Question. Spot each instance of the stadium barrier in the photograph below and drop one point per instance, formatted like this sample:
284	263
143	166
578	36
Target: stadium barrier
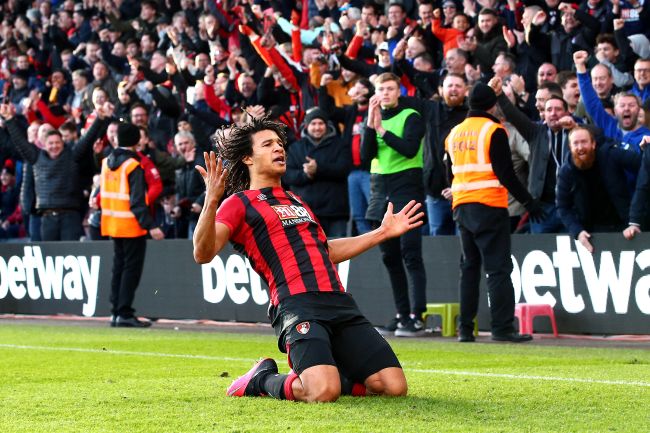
604	293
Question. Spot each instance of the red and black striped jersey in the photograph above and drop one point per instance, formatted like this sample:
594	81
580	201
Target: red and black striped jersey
283	241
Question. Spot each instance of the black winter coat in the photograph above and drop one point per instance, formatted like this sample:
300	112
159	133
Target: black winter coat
327	193
572	190
56	181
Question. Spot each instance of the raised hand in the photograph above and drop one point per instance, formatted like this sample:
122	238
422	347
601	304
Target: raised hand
567	122
106	110
214	176
373	106
400	50
325	79
497	85
619	23
580	60
509	37
518	84
396	224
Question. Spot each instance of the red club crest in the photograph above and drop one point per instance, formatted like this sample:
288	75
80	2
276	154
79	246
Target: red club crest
302	328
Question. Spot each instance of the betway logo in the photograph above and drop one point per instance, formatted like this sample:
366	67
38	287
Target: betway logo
238	279
58	276
538	270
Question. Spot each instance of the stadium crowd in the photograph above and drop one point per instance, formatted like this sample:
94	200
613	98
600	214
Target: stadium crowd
180	69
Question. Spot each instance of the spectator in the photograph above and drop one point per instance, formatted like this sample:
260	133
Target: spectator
10	216
489	40
543	94
546	72
353	119
449	36
603	82
608	54
444	115
189	185
317	170
103	79
592	195
568	82
56	174
638	218
80	97
548	148
641	86
455	61
520	152
624	127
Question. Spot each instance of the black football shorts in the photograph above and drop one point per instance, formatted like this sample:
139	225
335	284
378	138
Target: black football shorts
319	328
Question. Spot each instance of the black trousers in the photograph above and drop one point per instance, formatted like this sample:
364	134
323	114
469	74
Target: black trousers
485	240
402	257
128	261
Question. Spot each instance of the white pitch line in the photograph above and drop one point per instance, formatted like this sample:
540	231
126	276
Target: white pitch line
530	377
125	352
414	370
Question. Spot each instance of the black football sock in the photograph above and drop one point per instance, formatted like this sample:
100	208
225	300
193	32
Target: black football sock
278	385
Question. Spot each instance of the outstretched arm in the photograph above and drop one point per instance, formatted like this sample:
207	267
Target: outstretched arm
393	225
210	237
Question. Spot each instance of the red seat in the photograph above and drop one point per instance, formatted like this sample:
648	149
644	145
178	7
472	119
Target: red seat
527	312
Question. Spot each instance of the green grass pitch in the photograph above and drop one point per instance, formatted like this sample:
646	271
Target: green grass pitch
92	379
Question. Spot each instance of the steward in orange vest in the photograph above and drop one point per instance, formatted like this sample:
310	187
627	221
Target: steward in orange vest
482	171
126	219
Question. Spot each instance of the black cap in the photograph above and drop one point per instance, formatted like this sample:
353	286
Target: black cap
482	97
128	135
315	113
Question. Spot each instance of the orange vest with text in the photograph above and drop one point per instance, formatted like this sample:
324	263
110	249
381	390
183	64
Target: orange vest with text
117	219
468	145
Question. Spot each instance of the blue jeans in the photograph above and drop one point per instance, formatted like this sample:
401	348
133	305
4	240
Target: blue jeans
441	221
334	227
61	226
359	195
34	225
551	224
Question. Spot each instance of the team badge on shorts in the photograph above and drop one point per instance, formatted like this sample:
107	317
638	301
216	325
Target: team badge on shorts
302	328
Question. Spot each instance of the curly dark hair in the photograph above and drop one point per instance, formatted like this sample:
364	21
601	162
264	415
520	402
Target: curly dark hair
235	142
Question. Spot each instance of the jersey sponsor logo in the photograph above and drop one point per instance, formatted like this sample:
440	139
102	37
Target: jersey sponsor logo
291	215
303	328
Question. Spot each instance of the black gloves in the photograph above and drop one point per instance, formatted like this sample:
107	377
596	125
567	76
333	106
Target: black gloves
536	212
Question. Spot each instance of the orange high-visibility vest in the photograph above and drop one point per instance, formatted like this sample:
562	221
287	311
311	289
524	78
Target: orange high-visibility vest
117	219
468	145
